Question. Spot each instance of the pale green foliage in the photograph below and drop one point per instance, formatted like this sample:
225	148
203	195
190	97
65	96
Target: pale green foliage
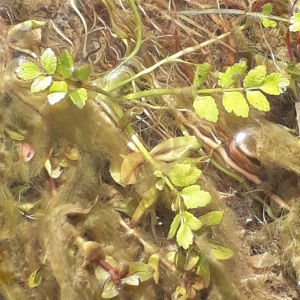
295	22
218	251
183	175
41	83
206	108
28	70
49	61
44	79
201	74
212	218
65	64
266	10
236	102
255	77
194	197
258	100
79	97
232	75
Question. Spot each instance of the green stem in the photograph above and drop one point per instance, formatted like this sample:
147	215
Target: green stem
173	57
218	90
153	92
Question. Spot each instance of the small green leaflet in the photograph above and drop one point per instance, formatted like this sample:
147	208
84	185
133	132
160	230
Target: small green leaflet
212	218
184	174
57	92
65	64
267	23
235	102
82	73
267	9
206	108
218	251
79	97
28	70
271	84
35	278
143	271
233	74
295	22
41	83
202	269
49	61
194	197
174	227
255	77
192	222
184	236
258	100
201	74
15	135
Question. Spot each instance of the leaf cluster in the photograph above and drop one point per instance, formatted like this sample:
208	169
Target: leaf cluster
239	90
51	74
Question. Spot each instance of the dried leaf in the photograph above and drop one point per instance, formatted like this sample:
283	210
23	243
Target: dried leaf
130	165
27	152
52	173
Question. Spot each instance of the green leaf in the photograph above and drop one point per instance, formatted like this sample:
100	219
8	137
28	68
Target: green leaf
15	135
184	236
203	270
174	227
194	197
258	100
271	84
267	9
79	97
148	200
295	22
192	259
109	290
218	251
54	98
184	174
49	61
28	70
267	23
191	221
206	108
144	271
35	278
58	86
235	102
212	218
176	148
131	280
130	166
82	73
201	74
233	74
40	84
255	77
154	263
65	64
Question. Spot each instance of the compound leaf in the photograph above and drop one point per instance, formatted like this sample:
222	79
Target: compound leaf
255	77
28	70
206	108
49	61
184	236
201	74
258	100
79	97
184	174
235	102
65	64
40	84
194	197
